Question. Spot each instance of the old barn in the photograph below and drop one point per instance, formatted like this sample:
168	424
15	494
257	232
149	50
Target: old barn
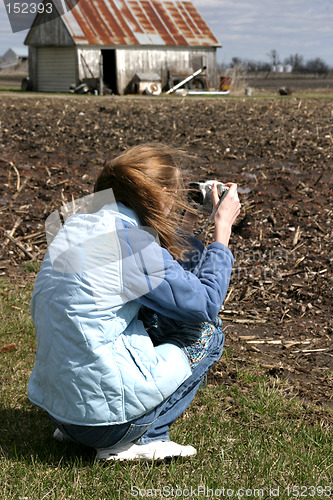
120	43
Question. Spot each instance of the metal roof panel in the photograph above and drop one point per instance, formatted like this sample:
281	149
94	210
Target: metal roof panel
137	22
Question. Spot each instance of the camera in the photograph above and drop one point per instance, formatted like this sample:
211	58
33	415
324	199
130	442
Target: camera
201	193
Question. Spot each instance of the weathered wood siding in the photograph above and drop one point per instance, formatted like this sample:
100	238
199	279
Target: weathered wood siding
160	60
132	60
88	62
33	66
49	33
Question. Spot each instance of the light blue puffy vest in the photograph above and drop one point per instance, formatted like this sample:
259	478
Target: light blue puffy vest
95	363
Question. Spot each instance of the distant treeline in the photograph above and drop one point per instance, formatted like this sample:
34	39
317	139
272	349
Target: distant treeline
295	62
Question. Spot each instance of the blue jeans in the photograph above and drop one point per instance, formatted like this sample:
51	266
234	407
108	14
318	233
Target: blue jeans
154	425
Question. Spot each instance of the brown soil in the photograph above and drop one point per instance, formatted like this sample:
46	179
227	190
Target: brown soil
278	312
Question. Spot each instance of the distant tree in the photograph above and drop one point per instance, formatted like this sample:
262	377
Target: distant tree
317	66
252	66
274	57
222	67
255	66
296	61
235	61
264	66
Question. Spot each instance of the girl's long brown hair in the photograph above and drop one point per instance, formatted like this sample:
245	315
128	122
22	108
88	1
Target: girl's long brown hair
146	178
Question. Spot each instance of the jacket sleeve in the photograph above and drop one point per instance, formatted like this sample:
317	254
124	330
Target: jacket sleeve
193	290
185	296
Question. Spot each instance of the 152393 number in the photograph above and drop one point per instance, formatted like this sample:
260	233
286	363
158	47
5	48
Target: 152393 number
29	8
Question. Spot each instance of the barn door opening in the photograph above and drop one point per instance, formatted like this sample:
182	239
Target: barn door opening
110	69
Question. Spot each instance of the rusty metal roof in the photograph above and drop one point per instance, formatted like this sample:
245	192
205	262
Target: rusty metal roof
136	22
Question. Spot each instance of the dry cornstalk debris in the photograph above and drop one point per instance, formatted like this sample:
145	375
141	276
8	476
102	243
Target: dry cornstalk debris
18	176
246	320
296	236
20	188
8	347
271	341
20	246
311	350
12	231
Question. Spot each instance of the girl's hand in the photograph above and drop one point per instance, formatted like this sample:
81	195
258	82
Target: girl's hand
226	214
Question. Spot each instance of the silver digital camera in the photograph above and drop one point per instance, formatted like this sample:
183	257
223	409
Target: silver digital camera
201	193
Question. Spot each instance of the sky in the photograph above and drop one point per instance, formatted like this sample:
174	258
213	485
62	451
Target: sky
251	29
248	29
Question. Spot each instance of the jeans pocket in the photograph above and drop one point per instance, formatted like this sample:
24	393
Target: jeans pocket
103	436
87	435
133	433
119	435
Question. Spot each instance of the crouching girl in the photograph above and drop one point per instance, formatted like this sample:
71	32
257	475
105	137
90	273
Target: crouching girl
125	308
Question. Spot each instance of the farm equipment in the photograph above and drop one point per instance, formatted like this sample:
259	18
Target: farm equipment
196	91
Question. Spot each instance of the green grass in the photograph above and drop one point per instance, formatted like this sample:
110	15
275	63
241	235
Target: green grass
11	89
249	436
32	266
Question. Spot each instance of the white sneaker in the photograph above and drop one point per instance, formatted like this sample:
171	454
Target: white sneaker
155	450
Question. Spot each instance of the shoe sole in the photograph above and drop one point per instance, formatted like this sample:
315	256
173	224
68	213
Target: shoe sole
115	458
145	453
